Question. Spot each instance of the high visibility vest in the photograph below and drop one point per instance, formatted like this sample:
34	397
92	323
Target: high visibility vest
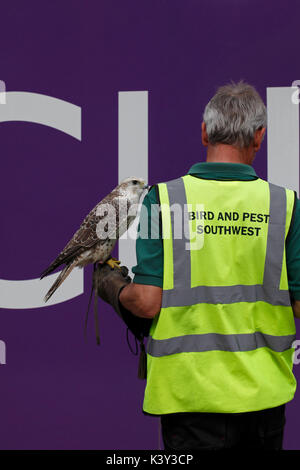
223	340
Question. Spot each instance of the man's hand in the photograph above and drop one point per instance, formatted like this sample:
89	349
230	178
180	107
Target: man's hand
109	282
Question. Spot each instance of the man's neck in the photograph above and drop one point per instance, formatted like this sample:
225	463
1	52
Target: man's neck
229	154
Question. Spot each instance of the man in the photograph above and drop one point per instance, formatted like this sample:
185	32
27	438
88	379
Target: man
222	294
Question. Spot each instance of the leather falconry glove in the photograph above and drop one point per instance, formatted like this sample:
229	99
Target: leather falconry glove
108	284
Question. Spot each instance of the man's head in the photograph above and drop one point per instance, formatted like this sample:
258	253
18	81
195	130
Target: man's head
237	117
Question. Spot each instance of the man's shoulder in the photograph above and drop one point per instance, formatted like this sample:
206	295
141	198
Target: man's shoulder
152	197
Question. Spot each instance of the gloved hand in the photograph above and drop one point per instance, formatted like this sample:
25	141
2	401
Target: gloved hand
108	283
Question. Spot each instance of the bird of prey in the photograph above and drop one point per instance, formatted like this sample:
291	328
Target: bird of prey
97	235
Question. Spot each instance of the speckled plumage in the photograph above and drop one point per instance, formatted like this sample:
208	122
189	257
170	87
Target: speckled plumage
85	247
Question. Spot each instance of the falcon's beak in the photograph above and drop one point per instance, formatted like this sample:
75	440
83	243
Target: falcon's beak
146	186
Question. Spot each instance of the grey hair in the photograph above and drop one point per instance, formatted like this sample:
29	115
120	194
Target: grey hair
233	115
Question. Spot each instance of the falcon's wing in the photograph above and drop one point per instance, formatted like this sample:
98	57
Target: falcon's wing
85	237
123	219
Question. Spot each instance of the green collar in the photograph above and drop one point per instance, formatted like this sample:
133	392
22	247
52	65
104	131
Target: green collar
220	170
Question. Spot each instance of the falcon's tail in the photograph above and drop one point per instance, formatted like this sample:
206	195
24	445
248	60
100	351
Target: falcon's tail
60	279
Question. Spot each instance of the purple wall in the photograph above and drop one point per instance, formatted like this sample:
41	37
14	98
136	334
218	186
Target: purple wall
58	392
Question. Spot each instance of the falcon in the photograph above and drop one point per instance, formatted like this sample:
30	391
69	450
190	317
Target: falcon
97	235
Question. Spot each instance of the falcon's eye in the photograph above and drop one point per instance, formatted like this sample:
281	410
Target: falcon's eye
134	182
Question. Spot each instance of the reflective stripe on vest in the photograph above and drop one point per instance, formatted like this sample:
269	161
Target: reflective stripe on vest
269	291
218	342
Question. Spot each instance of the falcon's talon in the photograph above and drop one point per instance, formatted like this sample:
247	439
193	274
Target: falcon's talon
113	263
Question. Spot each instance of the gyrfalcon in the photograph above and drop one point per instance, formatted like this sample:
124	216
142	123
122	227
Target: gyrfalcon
102	227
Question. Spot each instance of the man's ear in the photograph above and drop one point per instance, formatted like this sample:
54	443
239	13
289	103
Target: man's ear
258	138
204	136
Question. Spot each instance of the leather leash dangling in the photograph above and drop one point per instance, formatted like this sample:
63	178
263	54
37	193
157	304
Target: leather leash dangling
94	287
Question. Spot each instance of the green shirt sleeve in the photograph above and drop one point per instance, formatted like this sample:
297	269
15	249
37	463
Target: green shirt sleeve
293	254
149	244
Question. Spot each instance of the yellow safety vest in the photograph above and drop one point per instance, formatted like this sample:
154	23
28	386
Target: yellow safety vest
222	341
